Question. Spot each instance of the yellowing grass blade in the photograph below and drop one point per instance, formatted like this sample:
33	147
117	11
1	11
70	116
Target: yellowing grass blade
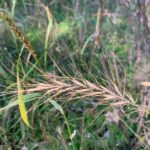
51	26
22	107
49	14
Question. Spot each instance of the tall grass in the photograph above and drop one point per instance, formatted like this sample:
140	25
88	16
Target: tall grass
43	88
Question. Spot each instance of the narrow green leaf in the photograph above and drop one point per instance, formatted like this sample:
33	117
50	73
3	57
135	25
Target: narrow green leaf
57	106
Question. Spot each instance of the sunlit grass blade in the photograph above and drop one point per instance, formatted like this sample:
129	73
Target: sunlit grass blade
22	108
50	33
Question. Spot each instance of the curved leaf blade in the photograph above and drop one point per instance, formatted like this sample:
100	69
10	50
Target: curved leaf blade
22	108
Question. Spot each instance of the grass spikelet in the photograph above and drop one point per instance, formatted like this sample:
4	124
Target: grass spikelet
19	35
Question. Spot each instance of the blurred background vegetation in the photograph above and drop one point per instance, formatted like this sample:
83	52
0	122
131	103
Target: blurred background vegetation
82	44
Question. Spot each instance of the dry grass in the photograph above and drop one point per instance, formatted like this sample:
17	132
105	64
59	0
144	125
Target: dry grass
72	88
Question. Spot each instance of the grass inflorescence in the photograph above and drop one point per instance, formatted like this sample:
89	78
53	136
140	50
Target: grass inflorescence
6	18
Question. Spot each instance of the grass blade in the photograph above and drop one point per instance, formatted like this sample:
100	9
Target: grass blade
22	108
